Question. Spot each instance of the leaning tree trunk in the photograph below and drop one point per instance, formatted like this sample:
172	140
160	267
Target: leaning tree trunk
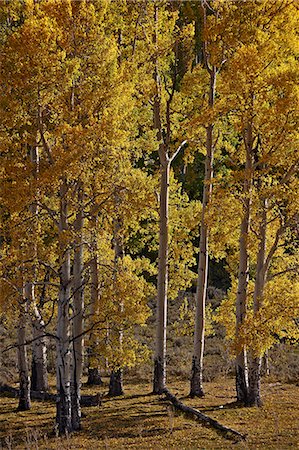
243	273
77	320
24	391
63	413
255	361
196	382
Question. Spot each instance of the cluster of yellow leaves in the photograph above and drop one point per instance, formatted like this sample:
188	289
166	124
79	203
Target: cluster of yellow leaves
184	326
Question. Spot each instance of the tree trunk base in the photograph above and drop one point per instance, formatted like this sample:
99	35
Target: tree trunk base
159	377
24	405
254	402
196	393
24	394
39	378
63	413
116	384
76	408
94	377
241	386
254	392
196	388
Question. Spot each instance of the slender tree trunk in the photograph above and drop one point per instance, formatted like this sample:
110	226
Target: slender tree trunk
160	351
159	381
241	357
196	384
116	377
63	413
39	372
266	363
24	392
255	362
39	381
243	273
77	322
94	377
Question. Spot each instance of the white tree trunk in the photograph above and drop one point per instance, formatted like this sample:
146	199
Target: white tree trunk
159	381
160	351
255	362
196	383
77	322
243	276
39	379
63	413
243	273
94	377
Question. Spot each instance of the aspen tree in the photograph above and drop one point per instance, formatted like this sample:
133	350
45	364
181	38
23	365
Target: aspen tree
94	377
56	99
78	311
257	101
212	66
39	381
164	137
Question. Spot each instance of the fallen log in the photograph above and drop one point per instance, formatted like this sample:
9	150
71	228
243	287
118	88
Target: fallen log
85	400
199	415
5	389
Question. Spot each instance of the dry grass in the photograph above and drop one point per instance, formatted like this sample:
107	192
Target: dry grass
143	421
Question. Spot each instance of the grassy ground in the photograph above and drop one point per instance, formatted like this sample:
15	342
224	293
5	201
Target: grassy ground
139	420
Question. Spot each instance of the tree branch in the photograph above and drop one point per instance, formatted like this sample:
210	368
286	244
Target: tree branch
177	151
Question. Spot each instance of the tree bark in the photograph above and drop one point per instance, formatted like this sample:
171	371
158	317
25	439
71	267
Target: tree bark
243	273
77	320
160	351
266	363
63	412
94	377
39	381
255	362
243	276
24	378
116	377
194	413
159	380
196	383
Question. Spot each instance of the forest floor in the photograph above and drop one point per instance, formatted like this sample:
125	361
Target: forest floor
140	420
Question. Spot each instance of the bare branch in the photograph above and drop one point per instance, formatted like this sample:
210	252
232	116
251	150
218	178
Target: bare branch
177	151
283	272
28	342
